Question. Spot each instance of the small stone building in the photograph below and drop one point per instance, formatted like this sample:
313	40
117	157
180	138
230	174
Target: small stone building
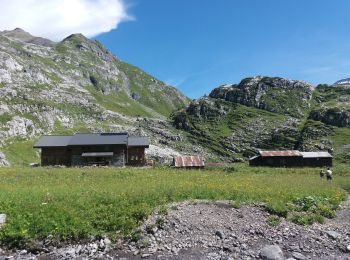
102	149
292	158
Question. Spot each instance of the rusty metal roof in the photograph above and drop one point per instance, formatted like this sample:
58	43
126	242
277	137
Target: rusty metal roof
280	153
188	161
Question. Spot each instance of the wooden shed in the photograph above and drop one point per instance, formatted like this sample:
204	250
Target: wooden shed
317	159
292	158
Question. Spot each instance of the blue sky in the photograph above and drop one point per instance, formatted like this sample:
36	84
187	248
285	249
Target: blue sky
197	45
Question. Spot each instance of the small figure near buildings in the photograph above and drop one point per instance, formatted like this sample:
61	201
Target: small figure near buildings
322	173
329	174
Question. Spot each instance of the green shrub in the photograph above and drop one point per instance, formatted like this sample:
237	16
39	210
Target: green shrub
273	221
160	222
306	218
236	205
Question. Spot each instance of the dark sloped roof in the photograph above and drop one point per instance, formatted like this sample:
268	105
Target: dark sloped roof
99	139
92	139
138	141
53	141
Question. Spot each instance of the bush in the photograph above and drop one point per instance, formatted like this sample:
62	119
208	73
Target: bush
305	218
273	221
236	205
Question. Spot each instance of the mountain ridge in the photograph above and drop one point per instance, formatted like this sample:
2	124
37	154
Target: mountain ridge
70	86
237	120
343	82
77	85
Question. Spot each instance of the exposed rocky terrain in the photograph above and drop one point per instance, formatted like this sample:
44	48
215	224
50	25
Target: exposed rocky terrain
343	82
291	97
216	230
270	113
75	85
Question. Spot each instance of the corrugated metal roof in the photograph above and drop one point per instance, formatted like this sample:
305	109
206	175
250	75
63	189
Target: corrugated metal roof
280	153
188	161
53	141
98	154
316	155
99	139
138	141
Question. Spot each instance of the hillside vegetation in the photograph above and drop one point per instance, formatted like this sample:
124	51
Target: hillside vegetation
75	85
235	121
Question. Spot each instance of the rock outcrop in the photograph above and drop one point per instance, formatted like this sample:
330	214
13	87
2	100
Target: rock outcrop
278	95
332	116
260	113
71	86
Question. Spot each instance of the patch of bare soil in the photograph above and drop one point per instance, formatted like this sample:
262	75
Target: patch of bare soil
216	230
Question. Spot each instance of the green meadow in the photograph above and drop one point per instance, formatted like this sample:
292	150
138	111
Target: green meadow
70	204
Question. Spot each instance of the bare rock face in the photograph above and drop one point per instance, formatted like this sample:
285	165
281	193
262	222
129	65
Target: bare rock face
343	82
73	85
2	219
332	116
21	35
21	127
164	155
272	94
4	109
3	161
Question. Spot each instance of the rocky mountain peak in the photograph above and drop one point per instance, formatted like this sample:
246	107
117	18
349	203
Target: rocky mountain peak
76	37
75	85
25	37
342	82
269	93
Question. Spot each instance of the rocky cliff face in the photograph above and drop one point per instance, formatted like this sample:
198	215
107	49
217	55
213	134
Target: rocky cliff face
343	82
70	86
77	85
272	94
237	120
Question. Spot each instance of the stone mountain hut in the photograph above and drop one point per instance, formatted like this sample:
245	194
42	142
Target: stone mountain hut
102	149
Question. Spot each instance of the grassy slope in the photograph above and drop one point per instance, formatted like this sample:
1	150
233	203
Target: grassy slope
151	91
339	136
211	132
74	203
164	99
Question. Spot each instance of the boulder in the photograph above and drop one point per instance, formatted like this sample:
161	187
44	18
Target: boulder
3	161
2	219
298	256
271	252
334	235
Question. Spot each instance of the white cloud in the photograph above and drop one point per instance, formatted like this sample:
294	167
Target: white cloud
56	19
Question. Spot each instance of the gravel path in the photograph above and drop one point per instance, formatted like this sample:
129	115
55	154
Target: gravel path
207	230
216	230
